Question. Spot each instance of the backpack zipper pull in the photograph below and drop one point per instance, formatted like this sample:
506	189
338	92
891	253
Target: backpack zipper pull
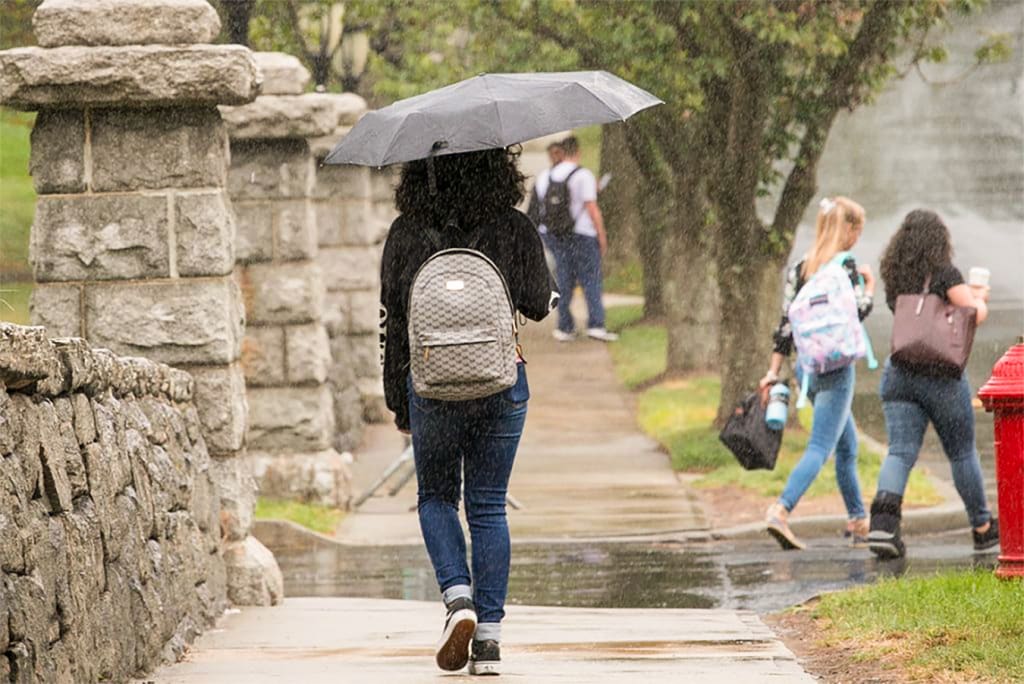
426	354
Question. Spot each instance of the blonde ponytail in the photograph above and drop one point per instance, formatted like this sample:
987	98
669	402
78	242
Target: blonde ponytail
839	220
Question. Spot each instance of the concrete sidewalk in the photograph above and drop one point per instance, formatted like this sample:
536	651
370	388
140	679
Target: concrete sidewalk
386	641
583	470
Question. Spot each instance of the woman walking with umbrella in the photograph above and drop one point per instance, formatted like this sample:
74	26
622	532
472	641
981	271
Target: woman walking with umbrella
460	265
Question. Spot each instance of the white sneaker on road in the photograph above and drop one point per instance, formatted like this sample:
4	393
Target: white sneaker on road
601	334
562	336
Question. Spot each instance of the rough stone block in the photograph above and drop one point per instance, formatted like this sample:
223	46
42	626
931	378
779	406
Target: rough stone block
283	293
236	489
56	484
263	356
204	232
290	418
323	477
254	233
296	230
360	352
253	576
27	356
270	169
308	354
128	76
158	148
283	74
58	308
348	417
57	163
342	182
322	145
111	237
375	408
220	400
350	268
177	322
124	22
282	116
336	313
349	223
364	314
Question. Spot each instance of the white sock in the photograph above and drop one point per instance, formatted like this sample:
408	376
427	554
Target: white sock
488	630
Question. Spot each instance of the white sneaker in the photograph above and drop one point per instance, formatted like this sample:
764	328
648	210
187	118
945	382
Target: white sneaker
601	334
562	336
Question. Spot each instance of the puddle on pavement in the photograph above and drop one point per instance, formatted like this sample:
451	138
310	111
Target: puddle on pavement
753	575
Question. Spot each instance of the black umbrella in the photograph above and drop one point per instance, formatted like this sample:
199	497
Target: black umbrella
488	111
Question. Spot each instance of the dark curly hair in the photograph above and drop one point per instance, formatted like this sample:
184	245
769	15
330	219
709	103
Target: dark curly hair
918	249
472	187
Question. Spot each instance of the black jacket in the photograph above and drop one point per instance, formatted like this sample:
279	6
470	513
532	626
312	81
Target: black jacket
510	241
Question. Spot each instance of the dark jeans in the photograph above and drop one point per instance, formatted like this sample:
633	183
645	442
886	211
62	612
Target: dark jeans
910	401
577	260
478	438
832	429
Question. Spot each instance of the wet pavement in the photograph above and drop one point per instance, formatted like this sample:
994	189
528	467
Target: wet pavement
755	576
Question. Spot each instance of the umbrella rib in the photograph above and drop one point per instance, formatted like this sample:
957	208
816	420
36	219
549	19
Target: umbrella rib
497	109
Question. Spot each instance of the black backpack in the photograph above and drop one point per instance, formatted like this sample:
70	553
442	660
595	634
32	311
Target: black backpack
556	210
749	439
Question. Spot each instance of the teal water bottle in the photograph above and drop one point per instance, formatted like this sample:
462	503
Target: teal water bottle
778	406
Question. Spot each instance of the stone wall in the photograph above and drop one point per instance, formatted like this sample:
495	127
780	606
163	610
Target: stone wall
110	545
133	239
354	209
293	428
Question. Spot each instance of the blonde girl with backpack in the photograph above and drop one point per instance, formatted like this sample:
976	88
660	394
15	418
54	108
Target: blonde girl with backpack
840	223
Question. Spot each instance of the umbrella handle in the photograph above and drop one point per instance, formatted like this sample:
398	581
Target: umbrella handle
431	174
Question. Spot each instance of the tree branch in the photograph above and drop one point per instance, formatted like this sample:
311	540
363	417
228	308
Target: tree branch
877	29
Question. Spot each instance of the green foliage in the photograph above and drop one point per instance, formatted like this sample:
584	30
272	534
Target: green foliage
17	196
16	23
955	626
315	517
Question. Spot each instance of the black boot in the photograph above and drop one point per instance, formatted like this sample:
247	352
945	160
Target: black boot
884	538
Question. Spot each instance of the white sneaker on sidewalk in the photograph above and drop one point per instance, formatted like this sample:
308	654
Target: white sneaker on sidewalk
563	336
601	334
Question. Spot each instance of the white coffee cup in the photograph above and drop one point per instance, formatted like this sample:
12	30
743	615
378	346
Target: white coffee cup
978	276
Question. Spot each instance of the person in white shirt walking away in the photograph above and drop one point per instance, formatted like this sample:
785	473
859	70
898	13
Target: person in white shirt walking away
564	206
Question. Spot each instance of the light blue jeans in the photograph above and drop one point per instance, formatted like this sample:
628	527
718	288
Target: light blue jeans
833	430
910	401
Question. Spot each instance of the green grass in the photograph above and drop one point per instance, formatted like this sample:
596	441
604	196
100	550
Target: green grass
17	196
679	413
640	353
619	317
315	517
625	278
969	623
14	298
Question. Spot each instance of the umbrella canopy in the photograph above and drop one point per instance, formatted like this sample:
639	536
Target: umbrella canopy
488	111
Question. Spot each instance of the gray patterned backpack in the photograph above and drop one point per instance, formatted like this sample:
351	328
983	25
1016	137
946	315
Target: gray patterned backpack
462	326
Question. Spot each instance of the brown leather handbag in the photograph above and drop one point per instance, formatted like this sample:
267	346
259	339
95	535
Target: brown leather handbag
932	336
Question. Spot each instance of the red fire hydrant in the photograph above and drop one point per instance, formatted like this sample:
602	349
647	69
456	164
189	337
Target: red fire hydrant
1004	394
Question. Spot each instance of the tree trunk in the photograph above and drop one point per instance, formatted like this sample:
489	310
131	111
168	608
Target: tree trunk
650	248
239	13
690	305
619	199
749	312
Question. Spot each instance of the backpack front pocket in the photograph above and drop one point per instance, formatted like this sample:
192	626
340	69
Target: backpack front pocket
460	357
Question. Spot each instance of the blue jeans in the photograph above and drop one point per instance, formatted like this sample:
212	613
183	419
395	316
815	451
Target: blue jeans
480	438
910	401
577	260
833	429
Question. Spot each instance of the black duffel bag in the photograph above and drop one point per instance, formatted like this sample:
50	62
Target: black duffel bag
747	436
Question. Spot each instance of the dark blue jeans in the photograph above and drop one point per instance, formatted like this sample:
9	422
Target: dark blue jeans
577	260
833	429
910	401
478	438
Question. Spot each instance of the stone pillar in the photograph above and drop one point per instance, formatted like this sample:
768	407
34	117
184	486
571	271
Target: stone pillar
286	354
354	208
133	240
